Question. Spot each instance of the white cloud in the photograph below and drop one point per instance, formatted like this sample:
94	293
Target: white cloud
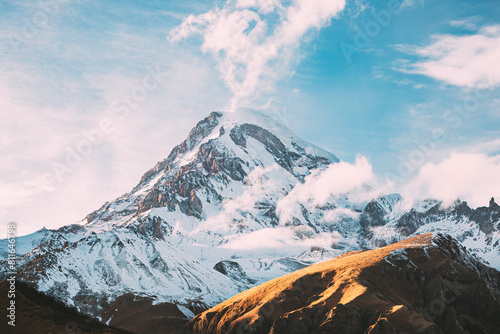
473	177
262	185
470	23
252	51
411	3
36	135
468	61
319	187
264	238
65	81
263	6
278	238
339	178
339	214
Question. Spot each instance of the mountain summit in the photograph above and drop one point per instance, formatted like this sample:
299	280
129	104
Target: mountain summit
165	237
233	206
211	165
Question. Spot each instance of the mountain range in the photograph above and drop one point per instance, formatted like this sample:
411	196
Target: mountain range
240	202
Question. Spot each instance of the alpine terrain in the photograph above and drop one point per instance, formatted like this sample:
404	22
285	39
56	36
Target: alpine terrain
231	207
424	284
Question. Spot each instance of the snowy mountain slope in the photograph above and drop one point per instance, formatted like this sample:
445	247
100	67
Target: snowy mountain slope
120	261
27	243
241	188
477	229
165	236
210	166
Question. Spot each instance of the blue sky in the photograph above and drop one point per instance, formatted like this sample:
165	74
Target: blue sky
371	98
430	71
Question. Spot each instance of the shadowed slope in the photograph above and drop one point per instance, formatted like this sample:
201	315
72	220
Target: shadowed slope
38	313
140	315
424	284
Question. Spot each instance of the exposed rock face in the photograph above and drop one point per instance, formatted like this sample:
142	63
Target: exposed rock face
233	270
422	285
272	144
373	215
193	166
377	213
409	222
487	217
219	163
398	221
200	131
153	227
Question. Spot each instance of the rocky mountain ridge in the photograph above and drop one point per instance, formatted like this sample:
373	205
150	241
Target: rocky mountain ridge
426	284
224	212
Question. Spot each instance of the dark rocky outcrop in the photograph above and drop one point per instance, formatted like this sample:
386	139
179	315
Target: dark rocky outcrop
198	133
153	227
487	217
233	270
180	190
374	214
283	156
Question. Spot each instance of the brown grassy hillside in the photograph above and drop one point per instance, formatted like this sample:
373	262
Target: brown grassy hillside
424	284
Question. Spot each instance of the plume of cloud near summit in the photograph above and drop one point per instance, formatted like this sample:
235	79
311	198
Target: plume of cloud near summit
256	42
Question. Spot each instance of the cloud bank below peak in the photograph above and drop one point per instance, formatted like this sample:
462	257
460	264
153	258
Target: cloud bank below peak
472	177
256	42
467	176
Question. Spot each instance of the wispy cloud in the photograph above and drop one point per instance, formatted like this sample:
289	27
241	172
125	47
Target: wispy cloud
465	60
280	238
256	42
470	23
64	82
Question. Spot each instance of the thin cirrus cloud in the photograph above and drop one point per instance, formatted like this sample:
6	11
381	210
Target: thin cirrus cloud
465	60
62	83
255	42
470	23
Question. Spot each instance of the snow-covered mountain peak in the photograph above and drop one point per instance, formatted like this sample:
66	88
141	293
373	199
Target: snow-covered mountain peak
242	195
233	128
213	165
